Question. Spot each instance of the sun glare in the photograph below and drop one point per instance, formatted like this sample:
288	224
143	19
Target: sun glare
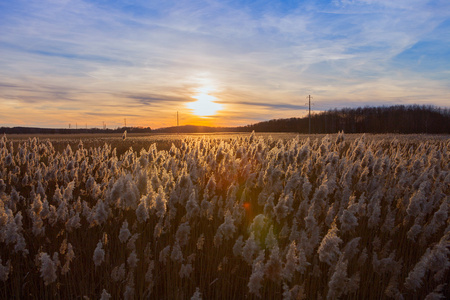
205	105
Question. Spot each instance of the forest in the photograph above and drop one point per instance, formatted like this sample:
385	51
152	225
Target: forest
384	119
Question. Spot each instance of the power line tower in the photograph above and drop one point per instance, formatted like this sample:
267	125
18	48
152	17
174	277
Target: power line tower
178	123
125	121
309	114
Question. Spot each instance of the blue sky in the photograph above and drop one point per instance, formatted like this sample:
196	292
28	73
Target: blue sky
87	62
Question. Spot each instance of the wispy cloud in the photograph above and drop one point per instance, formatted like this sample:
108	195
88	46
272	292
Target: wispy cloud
277	106
261	59
111	115
153	99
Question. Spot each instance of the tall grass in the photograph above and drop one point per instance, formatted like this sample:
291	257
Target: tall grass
241	217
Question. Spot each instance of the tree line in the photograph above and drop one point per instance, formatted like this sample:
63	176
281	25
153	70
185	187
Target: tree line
384	119
36	130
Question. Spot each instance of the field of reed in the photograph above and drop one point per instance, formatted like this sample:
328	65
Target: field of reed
225	217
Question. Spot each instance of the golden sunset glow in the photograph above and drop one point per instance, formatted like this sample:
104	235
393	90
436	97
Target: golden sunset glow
205	105
213	65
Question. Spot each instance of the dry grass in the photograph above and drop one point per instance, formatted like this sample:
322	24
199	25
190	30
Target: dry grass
233	215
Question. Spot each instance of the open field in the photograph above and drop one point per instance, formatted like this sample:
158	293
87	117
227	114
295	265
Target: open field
164	141
225	216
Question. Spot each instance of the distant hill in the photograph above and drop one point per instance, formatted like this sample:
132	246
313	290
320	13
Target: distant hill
384	119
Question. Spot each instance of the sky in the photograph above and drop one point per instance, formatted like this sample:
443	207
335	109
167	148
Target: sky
215	62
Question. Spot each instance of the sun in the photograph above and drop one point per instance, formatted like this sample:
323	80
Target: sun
205	105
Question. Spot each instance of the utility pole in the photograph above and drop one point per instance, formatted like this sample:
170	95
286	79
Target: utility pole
178	124
125	121
309	115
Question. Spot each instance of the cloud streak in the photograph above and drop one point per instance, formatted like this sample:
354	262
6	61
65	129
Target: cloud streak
260	60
